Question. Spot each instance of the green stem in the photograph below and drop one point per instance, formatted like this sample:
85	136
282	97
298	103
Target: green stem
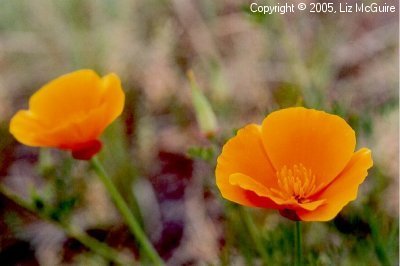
298	245
126	213
380	248
93	244
97	246
255	235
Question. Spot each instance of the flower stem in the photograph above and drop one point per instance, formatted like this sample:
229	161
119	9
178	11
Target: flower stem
254	234
97	246
93	244
126	213
298	245
380	249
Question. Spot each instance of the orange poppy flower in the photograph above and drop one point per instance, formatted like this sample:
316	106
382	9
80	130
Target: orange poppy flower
70	113
299	161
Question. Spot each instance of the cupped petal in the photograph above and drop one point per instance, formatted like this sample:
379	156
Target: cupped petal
113	98
254	193
244	154
342	190
90	125
66	97
70	111
73	133
321	142
296	206
26	127
249	184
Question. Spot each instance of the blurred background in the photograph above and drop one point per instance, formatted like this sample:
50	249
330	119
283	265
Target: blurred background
247	65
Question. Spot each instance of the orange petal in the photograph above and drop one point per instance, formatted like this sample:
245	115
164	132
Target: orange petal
89	126
29	130
75	132
113	98
343	189
254	194
244	154
294	205
68	96
92	105
79	131
25	126
247	183
321	142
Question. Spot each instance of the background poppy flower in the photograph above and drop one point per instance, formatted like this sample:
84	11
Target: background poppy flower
299	161
70	113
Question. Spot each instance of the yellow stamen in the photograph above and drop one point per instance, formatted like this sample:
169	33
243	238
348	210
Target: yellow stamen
297	183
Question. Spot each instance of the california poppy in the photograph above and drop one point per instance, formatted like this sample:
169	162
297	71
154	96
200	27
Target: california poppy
70	113
299	161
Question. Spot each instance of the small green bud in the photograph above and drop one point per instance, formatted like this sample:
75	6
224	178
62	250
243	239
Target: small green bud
204	114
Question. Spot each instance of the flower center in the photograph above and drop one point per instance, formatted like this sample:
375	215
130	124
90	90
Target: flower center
296	183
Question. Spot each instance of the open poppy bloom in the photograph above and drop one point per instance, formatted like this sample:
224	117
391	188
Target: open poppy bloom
70	113
299	161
